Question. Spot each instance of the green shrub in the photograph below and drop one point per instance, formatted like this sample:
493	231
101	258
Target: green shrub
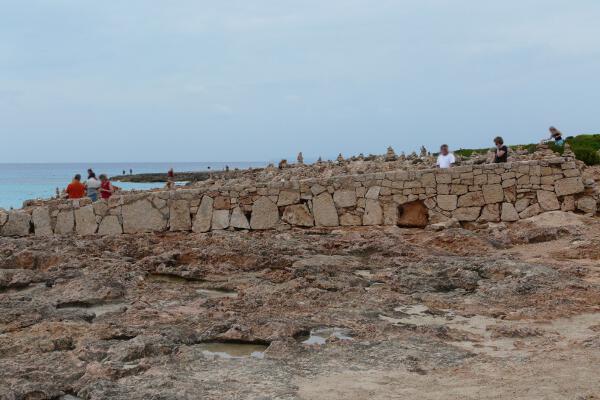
587	155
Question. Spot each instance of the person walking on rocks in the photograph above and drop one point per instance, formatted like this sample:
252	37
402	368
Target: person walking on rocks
445	158
501	152
92	185
75	189
106	188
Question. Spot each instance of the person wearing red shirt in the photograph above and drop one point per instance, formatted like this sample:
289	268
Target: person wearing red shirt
106	188
76	189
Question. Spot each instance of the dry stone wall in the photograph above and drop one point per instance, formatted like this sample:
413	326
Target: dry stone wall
492	193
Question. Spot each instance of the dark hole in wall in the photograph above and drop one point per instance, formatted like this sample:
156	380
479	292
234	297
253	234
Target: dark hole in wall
413	215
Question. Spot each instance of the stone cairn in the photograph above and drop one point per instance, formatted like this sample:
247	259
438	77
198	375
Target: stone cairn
390	155
300	158
423	152
340	158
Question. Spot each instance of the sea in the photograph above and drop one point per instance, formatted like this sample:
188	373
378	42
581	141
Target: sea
20	182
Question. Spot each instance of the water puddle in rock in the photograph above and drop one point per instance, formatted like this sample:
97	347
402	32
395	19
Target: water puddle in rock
96	309
217	293
319	336
233	350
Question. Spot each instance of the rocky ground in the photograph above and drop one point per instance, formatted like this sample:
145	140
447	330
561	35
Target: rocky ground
485	311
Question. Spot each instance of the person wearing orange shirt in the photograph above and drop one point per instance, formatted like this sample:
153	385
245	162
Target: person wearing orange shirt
76	189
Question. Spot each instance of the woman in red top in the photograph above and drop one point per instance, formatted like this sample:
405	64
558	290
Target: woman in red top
106	188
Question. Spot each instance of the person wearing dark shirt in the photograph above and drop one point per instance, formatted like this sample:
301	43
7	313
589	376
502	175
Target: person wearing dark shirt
501	153
556	135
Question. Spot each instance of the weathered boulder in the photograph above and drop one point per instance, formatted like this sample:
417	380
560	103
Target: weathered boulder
85	221
179	216
288	197
471	199
265	214
141	216
204	215
447	202
298	215
65	222
3	216
220	219
344	198
373	213
413	214
324	210
238	219
110	226
17	224
41	222
548	200
587	204
490	213
509	213
567	186
493	193
466	213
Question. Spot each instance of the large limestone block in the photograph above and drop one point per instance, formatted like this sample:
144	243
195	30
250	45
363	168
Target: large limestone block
288	197
324	210
179	216
447	202
567	186
110	226
471	199
141	216
373	193
65	222
85	221
466	213
493	193
509	213
344	198
530	211
204	215
348	219
587	204
265	214
568	203
490	213
41	222
220	219
3	216
522	204
238	219
373	213
298	215
548	200
390	213
17	224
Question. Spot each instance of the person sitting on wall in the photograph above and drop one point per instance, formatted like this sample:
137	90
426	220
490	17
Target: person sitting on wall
445	158
556	135
106	188
501	152
76	189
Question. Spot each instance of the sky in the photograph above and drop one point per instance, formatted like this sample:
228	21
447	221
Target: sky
261	80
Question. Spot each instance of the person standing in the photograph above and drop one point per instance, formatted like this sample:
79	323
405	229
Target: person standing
170	178
106	188
75	189
501	152
92	185
445	158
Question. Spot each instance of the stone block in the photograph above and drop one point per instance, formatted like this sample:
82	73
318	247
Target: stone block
344	198
110	226
373	213
85	221
522	204
471	199
587	204
490	213
447	202
179	216
567	186
492	193
18	223
142	216
373	193
548	200
238	219
509	213
41	222
220	220
288	197
222	203
466	213
265	214
324	210
203	218
530	211
298	215
348	219
390	213
568	203
65	222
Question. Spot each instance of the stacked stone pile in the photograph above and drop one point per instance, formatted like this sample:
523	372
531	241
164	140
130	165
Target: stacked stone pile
487	193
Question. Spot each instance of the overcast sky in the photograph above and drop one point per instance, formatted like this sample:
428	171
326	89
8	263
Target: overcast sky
241	80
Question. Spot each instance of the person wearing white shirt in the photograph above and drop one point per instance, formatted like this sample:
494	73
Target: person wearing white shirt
445	159
92	185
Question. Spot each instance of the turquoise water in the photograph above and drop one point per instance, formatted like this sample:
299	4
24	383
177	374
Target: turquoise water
20	182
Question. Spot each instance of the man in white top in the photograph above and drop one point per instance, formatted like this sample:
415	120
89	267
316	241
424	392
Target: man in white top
445	159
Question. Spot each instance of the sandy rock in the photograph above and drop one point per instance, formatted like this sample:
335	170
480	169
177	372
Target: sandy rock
324	210
204	215
447	202
587	204
110	226
493	193
65	222
548	200
567	186
85	221
17	224
373	213
220	219
265	214
509	213
179	216
238	219
466	213
530	211
141	216
288	197
298	215
41	221
344	198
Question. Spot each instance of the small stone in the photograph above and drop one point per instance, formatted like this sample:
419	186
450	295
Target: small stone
530	211
587	204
